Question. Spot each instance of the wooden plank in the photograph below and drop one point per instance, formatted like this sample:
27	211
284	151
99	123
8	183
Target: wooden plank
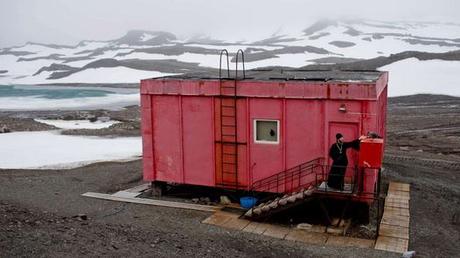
220	218
343	223
125	194
236	223
396	204
276	231
256	228
399	195
216	219
388	216
335	230
139	188
300	235
394	231
228	214
392	211
350	241
317	229
397	200
395	186
396	221
392	244
394	226
169	204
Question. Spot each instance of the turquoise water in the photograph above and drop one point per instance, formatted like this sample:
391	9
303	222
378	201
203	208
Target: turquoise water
50	93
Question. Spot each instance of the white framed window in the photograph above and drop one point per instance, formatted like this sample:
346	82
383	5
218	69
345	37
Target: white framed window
266	131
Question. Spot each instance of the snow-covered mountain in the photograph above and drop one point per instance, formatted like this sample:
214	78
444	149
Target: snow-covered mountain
144	54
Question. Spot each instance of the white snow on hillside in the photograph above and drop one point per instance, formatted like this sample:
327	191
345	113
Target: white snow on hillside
49	149
111	75
364	49
19	69
146	37
77	124
368	39
147	56
92	75
234	47
289	60
412	76
111	101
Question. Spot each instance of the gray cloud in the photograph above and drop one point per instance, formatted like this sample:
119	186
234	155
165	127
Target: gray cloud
69	21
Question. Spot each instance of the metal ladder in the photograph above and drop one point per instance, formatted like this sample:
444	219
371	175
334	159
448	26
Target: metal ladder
228	123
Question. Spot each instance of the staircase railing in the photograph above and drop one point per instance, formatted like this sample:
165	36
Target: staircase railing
293	179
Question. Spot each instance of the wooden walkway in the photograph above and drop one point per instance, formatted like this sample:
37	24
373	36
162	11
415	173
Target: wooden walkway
394	226
393	234
314	235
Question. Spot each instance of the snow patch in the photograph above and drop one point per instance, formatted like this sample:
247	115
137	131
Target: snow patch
412	76
110	101
77	124
49	149
110	75
91	75
146	37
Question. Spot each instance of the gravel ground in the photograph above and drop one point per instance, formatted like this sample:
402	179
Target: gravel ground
38	209
129	118
423	149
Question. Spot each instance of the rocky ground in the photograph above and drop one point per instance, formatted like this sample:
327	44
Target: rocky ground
39	211
43	213
129	117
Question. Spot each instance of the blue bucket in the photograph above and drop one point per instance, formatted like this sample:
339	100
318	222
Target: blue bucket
248	202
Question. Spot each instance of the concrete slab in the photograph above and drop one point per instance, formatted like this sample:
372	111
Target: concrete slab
299	235
350	241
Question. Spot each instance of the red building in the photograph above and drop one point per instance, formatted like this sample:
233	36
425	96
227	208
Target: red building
232	133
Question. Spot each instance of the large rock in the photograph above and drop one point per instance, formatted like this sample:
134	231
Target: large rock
5	129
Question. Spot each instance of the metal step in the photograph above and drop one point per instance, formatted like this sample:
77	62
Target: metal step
280	203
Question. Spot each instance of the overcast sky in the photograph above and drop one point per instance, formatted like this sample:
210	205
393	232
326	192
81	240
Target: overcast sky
69	21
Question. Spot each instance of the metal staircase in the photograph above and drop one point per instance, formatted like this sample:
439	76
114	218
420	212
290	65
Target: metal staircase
296	186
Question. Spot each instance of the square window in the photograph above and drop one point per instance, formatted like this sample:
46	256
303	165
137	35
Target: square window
266	131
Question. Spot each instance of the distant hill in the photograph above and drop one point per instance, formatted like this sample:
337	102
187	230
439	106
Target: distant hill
139	54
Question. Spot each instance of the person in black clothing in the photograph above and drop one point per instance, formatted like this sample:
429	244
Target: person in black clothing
338	153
